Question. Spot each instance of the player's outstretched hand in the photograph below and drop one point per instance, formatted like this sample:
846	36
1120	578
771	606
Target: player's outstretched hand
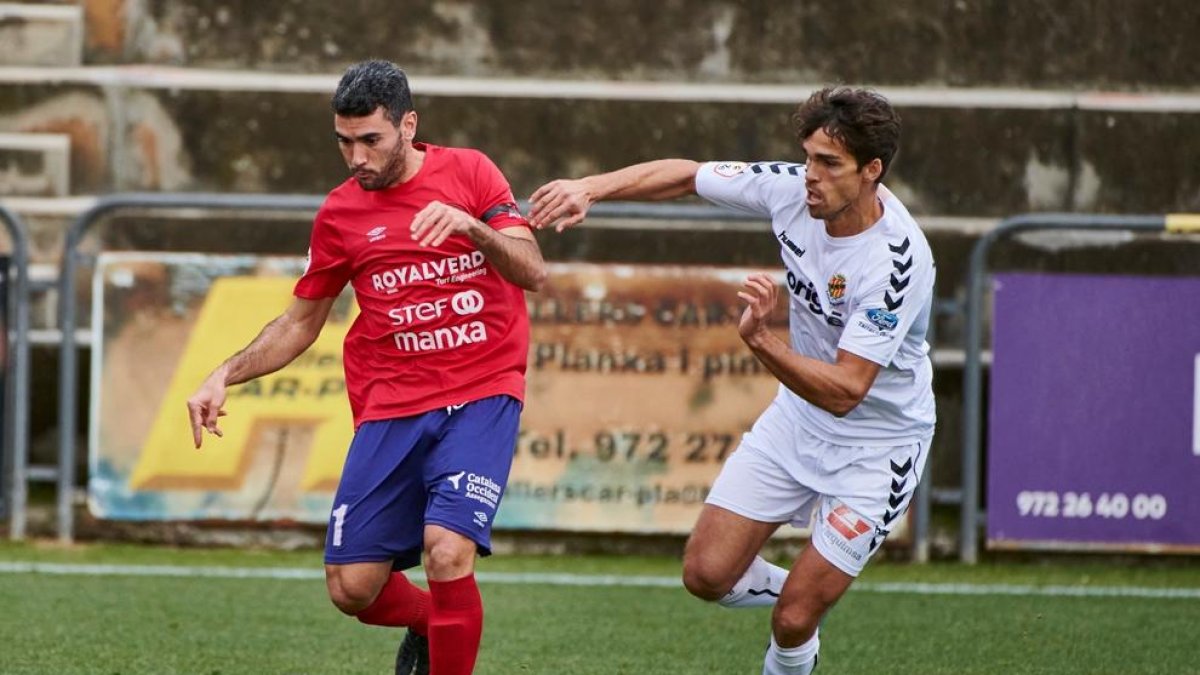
760	294
437	221
205	406
565	202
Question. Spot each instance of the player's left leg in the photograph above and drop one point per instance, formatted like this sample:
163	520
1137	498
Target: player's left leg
465	475
874	487
813	586
456	617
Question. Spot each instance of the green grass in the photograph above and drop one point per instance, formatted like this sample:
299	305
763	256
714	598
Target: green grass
114	624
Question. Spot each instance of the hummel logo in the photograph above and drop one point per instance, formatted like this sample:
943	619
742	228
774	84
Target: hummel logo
377	233
455	478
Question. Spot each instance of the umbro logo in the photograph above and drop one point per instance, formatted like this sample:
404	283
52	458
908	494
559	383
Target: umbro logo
377	233
481	516
455	478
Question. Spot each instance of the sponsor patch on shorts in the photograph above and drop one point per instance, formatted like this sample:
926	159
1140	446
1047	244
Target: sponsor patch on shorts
843	536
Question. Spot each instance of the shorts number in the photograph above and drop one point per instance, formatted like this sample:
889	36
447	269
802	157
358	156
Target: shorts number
339	518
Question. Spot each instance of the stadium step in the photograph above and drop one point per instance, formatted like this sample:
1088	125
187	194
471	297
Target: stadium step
34	165
41	34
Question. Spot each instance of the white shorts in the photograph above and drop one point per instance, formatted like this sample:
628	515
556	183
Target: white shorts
782	474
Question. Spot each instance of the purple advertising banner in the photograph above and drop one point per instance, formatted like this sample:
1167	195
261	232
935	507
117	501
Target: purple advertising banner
1093	440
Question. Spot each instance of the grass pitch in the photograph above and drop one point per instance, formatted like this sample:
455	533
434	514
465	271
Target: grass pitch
997	619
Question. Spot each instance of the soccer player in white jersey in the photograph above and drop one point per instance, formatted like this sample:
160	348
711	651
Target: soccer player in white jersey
843	444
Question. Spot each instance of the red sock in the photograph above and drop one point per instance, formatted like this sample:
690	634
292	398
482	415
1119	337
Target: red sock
399	603
455	626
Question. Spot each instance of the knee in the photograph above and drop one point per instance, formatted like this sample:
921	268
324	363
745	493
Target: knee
795	621
705	581
449	556
350	595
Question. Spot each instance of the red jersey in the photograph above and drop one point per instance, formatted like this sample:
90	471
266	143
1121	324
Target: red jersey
438	326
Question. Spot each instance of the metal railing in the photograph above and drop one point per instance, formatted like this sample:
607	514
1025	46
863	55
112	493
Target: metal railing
18	384
973	368
67	306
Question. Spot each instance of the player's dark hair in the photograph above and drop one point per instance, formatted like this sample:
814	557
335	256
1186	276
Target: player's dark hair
369	84
861	119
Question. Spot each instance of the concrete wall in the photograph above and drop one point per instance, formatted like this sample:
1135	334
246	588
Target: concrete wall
1105	44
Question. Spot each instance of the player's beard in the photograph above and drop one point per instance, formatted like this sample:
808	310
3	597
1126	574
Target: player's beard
390	173
828	212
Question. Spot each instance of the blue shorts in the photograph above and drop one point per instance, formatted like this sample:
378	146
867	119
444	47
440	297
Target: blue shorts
445	467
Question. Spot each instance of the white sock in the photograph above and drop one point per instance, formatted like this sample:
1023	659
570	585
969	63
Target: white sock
792	660
758	587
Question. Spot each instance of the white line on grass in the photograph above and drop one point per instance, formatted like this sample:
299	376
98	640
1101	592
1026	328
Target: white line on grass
566	579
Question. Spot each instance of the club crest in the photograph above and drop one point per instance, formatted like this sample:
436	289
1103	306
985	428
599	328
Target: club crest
837	289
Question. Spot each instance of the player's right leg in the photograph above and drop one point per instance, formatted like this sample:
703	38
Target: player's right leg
751	498
353	587
376	529
721	549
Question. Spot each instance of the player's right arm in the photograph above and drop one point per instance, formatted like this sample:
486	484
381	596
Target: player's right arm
567	201
280	341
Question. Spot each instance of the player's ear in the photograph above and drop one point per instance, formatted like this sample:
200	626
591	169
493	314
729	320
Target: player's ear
408	125
873	170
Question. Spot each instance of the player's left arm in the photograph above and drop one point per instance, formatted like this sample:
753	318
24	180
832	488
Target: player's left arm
836	388
512	251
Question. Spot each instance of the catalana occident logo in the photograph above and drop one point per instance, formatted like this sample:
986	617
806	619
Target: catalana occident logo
729	169
837	289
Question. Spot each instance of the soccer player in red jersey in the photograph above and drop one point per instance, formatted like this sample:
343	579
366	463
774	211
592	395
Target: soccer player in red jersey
439	257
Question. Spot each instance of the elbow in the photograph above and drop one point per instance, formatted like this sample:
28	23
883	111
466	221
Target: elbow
841	408
537	279
844	404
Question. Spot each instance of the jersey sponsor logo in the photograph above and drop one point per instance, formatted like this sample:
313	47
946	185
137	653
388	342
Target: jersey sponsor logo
837	289
467	303
791	245
440	339
377	233
452	268
456	478
808	292
464	303
418	313
729	169
884	320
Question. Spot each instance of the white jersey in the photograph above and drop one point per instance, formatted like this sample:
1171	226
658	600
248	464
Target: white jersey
870	294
